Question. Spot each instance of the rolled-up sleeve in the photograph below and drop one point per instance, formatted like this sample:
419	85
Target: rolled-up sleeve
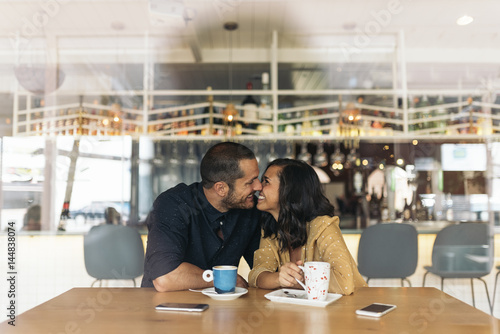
167	240
265	259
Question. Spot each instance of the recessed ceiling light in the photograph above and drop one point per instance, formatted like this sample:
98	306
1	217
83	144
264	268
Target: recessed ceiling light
465	20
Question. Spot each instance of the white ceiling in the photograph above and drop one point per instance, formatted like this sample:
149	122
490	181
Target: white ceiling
426	23
439	52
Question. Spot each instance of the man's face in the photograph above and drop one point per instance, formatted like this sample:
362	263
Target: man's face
241	195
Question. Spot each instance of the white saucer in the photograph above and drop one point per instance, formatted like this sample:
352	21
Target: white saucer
299	297
238	292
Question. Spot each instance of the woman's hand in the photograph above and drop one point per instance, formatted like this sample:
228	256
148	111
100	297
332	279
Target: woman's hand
288	273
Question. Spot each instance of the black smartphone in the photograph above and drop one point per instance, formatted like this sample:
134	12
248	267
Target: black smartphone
183	307
376	310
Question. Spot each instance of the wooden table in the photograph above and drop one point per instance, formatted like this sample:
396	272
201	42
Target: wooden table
131	310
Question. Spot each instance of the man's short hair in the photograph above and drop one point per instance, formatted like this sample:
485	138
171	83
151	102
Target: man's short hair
222	163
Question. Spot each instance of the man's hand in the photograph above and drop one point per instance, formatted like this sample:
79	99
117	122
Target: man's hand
241	282
288	273
185	276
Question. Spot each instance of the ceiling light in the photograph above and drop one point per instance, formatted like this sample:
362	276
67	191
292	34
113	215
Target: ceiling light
465	20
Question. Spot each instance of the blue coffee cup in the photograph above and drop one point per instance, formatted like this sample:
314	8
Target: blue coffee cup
224	278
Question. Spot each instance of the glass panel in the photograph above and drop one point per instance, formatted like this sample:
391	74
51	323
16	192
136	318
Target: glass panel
23	166
101	179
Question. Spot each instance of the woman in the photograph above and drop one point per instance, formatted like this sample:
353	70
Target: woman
300	228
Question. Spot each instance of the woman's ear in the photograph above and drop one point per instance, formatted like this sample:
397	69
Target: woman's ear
221	188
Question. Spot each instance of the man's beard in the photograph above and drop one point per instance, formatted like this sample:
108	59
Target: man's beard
232	202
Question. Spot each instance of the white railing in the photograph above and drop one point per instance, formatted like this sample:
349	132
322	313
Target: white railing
328	120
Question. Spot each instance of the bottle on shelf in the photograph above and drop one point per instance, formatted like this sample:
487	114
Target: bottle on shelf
250	109
374	208
306	129
191	123
414	103
425	114
441	112
358	182
316	124
428	183
175	122
384	208
289	127
37	124
183	124
421	213
265	112
407	215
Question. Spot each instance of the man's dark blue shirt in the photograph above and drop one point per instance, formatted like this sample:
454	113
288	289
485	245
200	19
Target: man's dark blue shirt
183	227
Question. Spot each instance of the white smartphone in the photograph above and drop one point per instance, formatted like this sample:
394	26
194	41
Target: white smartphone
376	310
183	307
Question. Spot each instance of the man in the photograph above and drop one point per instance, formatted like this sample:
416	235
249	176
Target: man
215	222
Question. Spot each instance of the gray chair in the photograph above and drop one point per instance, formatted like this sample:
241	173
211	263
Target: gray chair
463	251
388	251
113	252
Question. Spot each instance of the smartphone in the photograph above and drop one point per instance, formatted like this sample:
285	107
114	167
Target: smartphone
376	310
184	307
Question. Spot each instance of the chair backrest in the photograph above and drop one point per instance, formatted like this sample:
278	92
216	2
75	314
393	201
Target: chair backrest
388	251
464	247
113	252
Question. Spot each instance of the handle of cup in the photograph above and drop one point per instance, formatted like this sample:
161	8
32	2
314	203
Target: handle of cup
302	284
208	276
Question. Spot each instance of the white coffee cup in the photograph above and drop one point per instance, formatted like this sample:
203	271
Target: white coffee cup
317	277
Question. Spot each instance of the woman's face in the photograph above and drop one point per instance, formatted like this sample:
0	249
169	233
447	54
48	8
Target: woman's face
269	195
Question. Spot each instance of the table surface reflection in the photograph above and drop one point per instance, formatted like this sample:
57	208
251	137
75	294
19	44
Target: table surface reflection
132	310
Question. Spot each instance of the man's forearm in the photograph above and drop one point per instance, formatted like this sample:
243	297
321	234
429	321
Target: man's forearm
185	276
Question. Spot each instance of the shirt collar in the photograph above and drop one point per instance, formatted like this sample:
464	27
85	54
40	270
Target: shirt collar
213	215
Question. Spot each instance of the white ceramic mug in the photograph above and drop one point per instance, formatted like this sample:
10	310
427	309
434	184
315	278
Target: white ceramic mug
317	277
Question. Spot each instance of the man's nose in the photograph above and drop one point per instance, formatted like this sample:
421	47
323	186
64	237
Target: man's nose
257	185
